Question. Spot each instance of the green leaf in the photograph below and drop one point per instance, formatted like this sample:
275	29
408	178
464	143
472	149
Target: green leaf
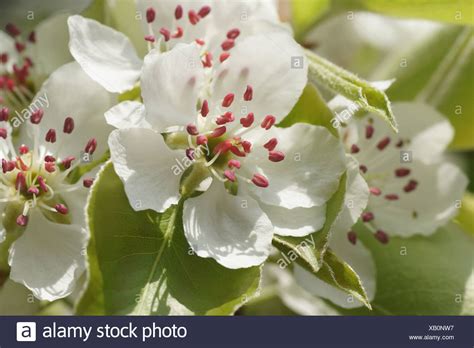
422	275
457	12
341	81
310	108
305	14
310	249
444	80
146	265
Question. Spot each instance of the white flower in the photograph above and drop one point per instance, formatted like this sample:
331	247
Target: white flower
109	57
40	205
219	122
412	190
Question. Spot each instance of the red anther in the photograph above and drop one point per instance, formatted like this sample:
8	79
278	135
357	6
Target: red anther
369	131
207	61
233	33
355	148
49	158
28	61
204	11
224	56
21	165
399	144
219	131
150	38
87	182
381	236
228	99
352	237
248	95
367	216
61	209
178	33
4	58
271	144
375	191
391	197
226	118
383	143
247	145
412	184
193	17
4	114
51	136
91	146
200	42
236	151
37	116
190	154
4	165
223	147
178	12
401	172
150	15
20	182
67	162
32	37
8	166
276	156
268	122
42	184
24	149
227	44
201	140
363	168
20	47
22	220
260	180
3	133
166	34
233	163
204	108
33	190
50	167
229	174
68	125
10	84
192	129
12	30
247	121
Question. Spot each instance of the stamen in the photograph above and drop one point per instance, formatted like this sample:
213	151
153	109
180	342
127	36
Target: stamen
226	118
20	47
88	182
260	181
247	145
367	216
375	191
233	33
412	184
190	154
91	146
207	62
42	184
33	190
268	122
4	114
369	131
271	144
178	33
20	182
178	12
50	167
150	38
204	11
381	236
193	17
200	42
228	99
67	162
401	172
363	168
192	129
22	220
355	148
4	58
219	131
276	156
68	125
12	30
166	34
224	56
37	116
383	143
391	197
352	237
201	140
227	45
150	15
51	136
247	121
229	174
399	144
32	37
61	209
248	94
3	133
233	163
205	108
49	158
223	147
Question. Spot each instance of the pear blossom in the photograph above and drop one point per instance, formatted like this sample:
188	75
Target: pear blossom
109	57
42	207
410	189
244	178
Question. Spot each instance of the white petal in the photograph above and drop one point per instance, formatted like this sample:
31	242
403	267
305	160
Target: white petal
51	45
105	54
127	114
248	65
70	92
231	229
310	172
170	86
147	167
434	202
296	222
358	257
48	258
